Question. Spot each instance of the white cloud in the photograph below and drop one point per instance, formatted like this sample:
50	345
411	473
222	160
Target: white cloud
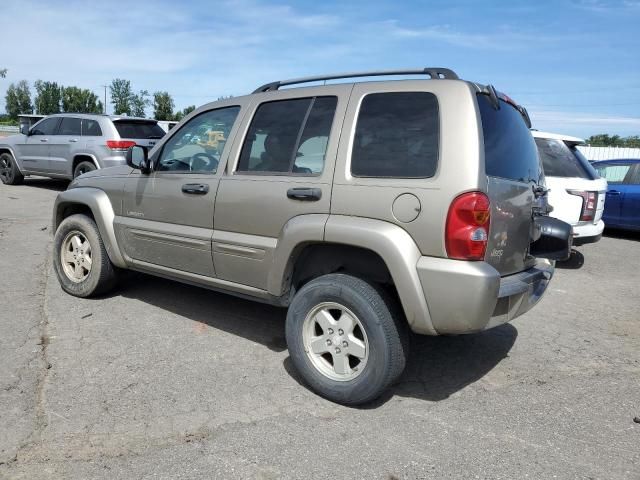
584	124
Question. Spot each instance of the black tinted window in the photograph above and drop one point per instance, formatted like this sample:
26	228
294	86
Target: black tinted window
289	136
69	126
91	128
46	126
558	160
396	136
509	149
138	129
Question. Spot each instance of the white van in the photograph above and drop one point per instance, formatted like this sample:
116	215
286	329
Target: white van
576	191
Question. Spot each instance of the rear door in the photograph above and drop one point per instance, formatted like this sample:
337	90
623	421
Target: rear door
35	151
513	169
143	132
281	168
630	208
167	216
618	177
60	145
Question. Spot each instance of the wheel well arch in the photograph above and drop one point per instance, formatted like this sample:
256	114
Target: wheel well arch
82	157
311	260
65	210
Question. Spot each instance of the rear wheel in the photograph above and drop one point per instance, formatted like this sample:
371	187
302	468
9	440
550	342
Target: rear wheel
9	173
83	167
80	259
344	339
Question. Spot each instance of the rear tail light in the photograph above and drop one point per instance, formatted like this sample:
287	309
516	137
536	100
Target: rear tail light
120	144
467	228
589	204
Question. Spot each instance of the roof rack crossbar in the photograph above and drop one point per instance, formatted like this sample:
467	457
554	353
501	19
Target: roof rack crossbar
433	72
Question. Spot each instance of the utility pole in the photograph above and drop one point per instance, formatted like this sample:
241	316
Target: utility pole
104	105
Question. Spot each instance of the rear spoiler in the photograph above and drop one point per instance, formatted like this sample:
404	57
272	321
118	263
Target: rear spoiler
495	97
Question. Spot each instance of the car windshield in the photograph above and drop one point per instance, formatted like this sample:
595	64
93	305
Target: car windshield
560	160
138	129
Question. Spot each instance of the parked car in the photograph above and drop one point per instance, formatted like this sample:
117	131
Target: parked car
68	145
418	209
576	191
622	209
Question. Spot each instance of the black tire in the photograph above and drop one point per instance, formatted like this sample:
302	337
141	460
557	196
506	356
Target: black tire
83	167
386	335
9	172
101	276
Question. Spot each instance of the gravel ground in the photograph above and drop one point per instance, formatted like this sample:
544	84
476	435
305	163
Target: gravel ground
163	380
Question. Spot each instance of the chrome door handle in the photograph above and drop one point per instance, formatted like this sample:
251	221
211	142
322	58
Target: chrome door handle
195	188
73	140
613	192
44	139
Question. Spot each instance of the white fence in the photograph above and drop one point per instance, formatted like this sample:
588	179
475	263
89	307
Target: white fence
606	153
9	128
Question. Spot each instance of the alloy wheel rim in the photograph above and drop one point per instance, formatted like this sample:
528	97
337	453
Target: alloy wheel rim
76	256
335	341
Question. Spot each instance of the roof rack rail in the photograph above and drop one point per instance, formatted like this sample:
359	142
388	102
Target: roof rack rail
433	72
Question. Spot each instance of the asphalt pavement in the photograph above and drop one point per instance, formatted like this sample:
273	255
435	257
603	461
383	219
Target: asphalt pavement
163	380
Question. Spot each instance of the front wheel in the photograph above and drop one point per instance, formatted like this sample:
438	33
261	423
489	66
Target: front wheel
344	340
9	172
80	259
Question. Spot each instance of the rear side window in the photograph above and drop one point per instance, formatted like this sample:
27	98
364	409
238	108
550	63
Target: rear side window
614	173
69	126
289	136
138	130
558	160
397	136
509	149
91	128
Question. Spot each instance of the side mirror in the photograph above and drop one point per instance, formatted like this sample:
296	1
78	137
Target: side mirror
24	129
138	158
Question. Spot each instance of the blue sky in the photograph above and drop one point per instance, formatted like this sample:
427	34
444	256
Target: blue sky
575	64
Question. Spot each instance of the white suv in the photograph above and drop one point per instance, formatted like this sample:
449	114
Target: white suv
576	191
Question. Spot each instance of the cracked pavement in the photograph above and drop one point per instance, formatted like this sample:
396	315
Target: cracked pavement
163	380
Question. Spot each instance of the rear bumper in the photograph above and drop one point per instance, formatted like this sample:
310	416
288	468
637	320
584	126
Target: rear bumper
467	297
587	233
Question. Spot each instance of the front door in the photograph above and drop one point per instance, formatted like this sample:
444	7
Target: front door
34	153
167	216
281	169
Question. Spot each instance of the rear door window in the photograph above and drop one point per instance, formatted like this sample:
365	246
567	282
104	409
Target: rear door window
289	136
69	126
558	160
138	129
509	149
614	173
397	136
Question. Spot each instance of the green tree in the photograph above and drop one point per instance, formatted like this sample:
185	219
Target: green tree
3	72
48	97
185	111
80	100
18	99
139	103
162	106
121	95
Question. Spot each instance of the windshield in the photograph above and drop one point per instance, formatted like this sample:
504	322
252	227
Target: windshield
509	150
138	129
560	160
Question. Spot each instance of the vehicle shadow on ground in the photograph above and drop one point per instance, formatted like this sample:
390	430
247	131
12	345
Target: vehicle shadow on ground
437	366
57	185
575	262
622	234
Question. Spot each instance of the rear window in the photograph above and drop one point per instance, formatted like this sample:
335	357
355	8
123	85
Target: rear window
90	128
509	149
397	136
560	160
138	130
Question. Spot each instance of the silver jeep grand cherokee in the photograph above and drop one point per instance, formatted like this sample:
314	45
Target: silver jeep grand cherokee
367	209
69	144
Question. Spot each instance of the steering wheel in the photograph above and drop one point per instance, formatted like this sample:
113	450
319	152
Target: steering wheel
204	161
